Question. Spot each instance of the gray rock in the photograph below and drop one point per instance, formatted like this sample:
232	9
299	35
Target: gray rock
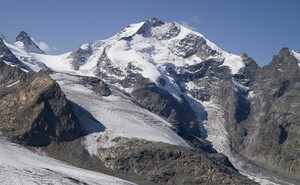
33	109
105	67
273	127
146	29
96	85
162	103
80	56
29	44
192	44
167	164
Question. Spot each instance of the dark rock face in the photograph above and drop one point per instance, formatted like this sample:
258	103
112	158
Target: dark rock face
28	43
80	56
146	29
166	164
193	44
33	109
273	124
97	85
105	67
162	103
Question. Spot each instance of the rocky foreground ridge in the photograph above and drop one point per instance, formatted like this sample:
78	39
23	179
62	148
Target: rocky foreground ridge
34	110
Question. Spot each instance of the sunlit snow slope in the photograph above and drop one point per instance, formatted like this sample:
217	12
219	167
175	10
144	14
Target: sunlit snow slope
21	166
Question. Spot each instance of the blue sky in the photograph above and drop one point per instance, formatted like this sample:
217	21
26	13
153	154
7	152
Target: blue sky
259	28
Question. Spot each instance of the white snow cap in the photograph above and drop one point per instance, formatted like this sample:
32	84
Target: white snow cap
155	44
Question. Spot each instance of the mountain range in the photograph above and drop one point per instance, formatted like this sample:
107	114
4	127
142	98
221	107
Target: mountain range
156	103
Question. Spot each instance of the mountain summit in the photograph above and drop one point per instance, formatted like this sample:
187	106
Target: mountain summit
23	41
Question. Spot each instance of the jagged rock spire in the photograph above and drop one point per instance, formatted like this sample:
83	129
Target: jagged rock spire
25	42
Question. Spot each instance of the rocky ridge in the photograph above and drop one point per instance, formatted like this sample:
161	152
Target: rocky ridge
272	138
34	110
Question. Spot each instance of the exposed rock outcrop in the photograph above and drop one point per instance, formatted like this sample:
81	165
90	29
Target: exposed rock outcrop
80	56
273	132
166	164
147	162
33	109
96	85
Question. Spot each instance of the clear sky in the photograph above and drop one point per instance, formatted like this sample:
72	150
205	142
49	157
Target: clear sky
259	28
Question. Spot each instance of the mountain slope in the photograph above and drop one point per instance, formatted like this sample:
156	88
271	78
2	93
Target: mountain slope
157	58
198	91
150	49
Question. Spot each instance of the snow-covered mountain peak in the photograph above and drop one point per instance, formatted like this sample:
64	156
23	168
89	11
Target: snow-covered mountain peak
23	41
181	41
152	49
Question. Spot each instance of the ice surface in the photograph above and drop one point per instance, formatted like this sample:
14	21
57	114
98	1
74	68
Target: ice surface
18	165
234	62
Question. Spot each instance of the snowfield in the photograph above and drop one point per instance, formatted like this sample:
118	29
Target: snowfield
18	165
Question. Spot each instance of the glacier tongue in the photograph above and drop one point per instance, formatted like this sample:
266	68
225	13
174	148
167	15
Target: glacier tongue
118	114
